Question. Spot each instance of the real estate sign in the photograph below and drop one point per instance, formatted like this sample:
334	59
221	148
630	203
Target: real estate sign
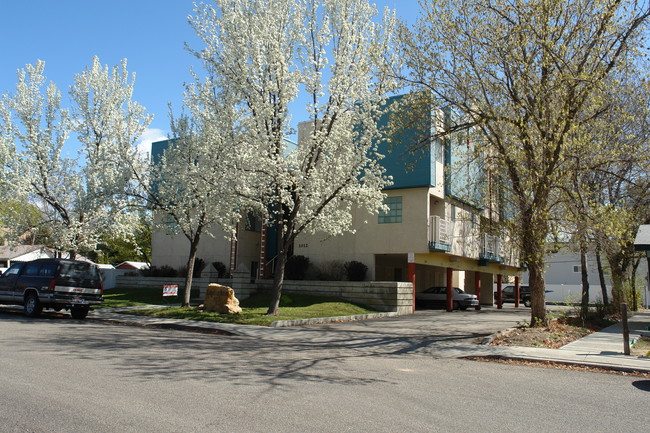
170	290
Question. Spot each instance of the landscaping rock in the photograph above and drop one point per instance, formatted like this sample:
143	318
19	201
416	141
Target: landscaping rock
221	299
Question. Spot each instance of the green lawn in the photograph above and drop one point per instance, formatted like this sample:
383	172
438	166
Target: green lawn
254	308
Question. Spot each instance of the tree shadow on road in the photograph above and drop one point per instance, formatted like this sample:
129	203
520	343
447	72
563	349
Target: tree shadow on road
163	354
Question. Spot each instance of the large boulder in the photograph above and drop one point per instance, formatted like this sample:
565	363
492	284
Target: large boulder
221	299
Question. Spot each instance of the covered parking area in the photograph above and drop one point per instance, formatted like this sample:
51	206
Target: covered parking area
479	277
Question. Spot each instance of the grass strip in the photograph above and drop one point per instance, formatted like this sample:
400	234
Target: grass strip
292	307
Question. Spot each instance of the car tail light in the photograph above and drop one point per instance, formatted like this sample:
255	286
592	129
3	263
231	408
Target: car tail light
52	285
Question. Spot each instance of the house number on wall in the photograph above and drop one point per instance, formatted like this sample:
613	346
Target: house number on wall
303	245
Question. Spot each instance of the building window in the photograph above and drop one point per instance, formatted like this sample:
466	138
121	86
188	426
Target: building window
394	213
576	269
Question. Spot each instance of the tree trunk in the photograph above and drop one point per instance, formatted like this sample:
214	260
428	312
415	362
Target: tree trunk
537	294
533	236
278	281
584	304
618	291
194	246
601	277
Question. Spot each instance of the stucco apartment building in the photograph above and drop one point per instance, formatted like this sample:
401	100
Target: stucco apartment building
443	222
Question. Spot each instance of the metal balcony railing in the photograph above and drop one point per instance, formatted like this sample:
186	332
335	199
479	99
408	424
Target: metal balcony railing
440	234
491	248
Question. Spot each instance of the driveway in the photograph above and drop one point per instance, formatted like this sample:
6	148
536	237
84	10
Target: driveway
430	332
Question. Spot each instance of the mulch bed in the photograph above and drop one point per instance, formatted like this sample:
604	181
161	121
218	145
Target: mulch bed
558	333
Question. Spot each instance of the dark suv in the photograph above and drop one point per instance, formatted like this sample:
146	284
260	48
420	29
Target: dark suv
509	294
52	283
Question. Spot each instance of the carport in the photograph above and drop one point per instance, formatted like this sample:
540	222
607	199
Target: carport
473	276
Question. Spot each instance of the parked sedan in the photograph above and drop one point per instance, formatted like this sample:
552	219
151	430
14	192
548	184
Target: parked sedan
437	295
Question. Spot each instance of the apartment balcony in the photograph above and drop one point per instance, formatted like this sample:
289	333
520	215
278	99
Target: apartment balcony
440	234
490	249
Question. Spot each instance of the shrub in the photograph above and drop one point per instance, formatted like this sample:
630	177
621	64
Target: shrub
222	271
296	268
332	270
199	266
356	271
163	271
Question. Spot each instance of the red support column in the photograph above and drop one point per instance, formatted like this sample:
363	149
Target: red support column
450	294
499	291
517	293
477	289
411	276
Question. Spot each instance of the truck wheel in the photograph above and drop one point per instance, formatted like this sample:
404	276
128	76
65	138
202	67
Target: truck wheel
527	302
32	307
79	313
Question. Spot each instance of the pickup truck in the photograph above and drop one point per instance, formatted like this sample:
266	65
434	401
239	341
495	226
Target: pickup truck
52	283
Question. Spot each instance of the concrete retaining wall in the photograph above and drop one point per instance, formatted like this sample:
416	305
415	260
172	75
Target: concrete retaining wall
158	282
242	290
379	295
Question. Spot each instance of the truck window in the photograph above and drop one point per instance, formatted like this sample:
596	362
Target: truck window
78	270
47	270
32	269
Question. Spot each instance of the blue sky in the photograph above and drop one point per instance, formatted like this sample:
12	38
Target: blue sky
150	34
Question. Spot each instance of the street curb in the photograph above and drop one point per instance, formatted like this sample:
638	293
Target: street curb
161	325
521	358
198	325
490	338
321	320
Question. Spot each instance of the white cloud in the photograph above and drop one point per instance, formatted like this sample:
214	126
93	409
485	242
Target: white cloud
149	136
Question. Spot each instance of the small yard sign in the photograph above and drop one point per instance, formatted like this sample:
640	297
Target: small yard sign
170	290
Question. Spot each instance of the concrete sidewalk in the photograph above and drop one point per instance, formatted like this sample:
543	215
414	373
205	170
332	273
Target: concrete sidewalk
600	349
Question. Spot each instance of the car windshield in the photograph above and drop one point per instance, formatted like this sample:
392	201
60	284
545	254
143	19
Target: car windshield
84	271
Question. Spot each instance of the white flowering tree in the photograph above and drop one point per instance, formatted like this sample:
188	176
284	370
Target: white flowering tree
527	74
7	147
338	58
82	196
197	185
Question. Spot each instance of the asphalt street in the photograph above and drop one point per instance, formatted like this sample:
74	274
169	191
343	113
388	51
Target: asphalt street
63	375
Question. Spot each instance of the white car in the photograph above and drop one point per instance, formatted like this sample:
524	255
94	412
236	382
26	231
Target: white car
437	295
